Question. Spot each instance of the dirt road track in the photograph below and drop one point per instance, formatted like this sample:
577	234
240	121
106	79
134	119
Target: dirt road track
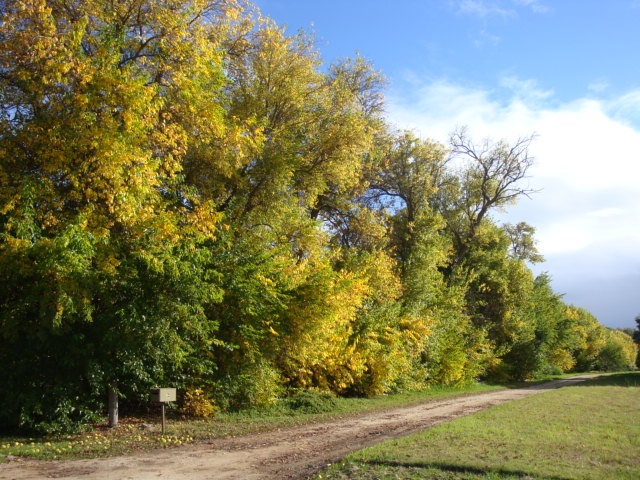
291	453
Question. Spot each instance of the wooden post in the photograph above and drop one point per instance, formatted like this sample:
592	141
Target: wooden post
163	418
113	407
163	395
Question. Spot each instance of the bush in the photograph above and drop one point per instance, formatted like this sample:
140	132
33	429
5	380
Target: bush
618	353
196	404
312	401
254	385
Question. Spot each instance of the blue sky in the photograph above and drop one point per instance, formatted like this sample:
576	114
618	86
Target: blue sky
566	70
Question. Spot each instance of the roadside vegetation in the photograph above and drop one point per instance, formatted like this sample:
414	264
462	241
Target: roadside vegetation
143	432
587	431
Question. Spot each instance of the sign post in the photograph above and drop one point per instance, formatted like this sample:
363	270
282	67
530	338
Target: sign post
163	395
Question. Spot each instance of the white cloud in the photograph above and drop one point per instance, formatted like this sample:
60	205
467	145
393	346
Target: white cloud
485	37
587	214
525	90
626	108
585	149
485	11
535	5
599	85
607	212
499	8
482	8
604	232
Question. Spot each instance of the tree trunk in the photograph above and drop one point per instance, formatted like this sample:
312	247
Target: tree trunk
113	407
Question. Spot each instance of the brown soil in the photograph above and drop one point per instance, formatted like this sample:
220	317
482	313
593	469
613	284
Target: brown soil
291	453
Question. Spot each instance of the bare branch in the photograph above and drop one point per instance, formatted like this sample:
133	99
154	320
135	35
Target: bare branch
492	179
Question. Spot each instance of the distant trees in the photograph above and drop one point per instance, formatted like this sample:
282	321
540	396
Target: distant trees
189	198
636	338
618	353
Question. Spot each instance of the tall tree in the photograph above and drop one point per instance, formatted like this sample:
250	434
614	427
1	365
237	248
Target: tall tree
101	238
408	187
490	181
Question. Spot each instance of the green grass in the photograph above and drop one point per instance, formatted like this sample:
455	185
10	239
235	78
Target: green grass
144	433
587	431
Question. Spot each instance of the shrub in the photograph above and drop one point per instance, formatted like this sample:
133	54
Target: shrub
618	353
254	385
197	404
312	401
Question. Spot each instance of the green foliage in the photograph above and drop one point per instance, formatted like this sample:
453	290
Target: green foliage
547	350
456	353
636	338
618	353
312	402
249	386
588	337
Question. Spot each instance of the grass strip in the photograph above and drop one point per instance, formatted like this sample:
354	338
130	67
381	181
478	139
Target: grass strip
587	431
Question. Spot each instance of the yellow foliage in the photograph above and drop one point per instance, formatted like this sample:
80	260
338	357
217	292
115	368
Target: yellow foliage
196	404
627	346
562	359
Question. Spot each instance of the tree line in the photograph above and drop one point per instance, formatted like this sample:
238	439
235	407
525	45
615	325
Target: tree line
190	197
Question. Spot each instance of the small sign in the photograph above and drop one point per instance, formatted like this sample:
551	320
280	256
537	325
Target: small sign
163	395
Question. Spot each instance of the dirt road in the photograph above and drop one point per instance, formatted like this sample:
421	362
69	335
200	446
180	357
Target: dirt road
291	453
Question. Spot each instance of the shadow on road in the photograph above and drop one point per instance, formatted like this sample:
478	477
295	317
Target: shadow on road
489	473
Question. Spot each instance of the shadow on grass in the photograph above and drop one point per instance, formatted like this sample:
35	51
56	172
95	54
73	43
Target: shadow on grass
455	469
626	379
